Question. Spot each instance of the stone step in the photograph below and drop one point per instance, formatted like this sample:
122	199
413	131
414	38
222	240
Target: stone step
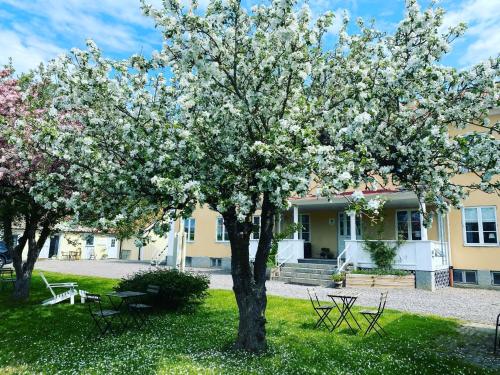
318	271
304	281
304	275
318	261
330	266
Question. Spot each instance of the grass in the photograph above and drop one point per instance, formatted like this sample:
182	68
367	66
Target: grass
49	340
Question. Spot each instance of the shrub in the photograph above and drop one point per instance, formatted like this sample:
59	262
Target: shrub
178	290
381	253
338	277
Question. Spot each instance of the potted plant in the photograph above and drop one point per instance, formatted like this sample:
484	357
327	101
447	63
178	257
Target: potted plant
338	279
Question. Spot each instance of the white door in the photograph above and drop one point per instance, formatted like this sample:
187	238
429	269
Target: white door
344	230
44	253
112	248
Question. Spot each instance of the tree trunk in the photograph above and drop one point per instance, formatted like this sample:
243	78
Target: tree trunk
24	270
249	285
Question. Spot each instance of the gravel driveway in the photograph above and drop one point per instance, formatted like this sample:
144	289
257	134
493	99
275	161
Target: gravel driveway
476	305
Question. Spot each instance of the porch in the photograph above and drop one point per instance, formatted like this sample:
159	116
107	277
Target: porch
330	232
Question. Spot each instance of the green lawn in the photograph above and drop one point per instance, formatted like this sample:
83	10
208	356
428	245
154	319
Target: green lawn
36	339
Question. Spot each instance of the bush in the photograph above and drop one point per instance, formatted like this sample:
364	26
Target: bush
178	290
381	253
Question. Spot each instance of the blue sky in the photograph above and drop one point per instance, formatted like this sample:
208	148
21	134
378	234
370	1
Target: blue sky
32	31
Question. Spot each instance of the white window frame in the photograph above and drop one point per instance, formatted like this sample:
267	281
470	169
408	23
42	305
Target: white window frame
252	237
224	239
191	228
481	242
492	278
464	277
408	223
300	231
87	237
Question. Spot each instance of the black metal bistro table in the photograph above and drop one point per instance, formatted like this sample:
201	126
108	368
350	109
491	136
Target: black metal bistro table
344	302
125	297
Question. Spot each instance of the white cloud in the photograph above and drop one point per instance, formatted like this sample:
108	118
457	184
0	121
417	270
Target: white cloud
483	35
26	51
40	29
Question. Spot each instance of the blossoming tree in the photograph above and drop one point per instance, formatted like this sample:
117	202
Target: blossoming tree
32	184
256	107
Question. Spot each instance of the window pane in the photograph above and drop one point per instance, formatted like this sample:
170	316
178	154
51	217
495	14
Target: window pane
488	214
490	237
341	224
192	225
256	228
457	276
472	237
415	231
473	227
219	229
470	215
470	276
496	278
489	226
415	216
402	221
305	237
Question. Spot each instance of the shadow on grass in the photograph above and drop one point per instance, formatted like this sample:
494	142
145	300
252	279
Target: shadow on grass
36	339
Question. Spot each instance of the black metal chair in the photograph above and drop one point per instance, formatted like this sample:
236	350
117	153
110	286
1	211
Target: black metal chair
372	316
139	310
103	318
7	277
497	344
321	310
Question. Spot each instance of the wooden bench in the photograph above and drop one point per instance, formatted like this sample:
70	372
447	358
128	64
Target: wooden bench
6	277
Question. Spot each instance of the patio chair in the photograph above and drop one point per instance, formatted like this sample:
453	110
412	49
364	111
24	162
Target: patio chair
103	318
497	344
7	277
321	310
139	310
372	316
70	293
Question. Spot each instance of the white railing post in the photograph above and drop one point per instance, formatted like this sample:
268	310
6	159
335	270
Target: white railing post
296	221
423	229
352	217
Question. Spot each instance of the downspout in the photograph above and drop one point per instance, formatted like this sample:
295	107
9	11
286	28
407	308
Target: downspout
450	263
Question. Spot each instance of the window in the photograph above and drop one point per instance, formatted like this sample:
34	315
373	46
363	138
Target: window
495	278
89	241
216	262
189	228
480	225
256	228
189	262
113	242
221	230
305	231
408	225
465	277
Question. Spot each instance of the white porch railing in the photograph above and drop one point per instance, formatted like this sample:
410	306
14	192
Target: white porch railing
411	255
290	251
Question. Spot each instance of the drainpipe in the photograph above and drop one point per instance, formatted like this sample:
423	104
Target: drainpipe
450	262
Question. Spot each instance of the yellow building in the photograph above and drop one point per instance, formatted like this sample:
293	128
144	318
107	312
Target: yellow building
465	239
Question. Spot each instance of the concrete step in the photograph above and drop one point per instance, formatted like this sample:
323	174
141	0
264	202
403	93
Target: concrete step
304	281
318	261
329	266
318	271
301	275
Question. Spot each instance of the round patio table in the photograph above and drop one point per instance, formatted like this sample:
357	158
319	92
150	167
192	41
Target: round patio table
344	302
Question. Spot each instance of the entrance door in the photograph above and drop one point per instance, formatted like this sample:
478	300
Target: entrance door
112	248
344	230
54	246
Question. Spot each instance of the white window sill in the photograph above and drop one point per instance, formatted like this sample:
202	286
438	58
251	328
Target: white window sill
481	244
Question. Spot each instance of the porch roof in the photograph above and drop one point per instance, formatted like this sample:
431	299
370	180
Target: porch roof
393	198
